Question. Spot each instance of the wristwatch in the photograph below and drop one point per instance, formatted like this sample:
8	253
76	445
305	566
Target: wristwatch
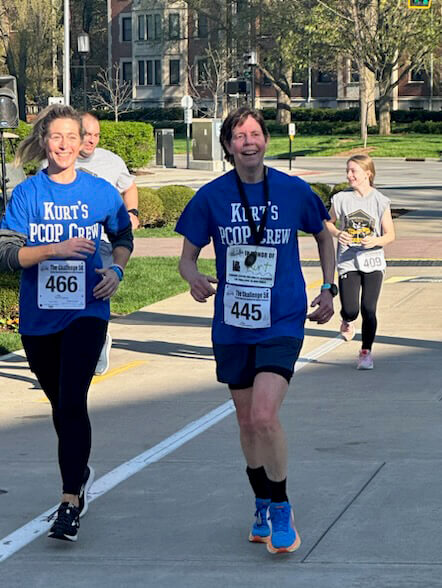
332	287
134	211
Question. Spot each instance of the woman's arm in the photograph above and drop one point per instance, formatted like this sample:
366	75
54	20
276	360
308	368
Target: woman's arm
200	285
75	248
388	233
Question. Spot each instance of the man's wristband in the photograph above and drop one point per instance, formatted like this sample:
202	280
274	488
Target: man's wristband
118	270
134	211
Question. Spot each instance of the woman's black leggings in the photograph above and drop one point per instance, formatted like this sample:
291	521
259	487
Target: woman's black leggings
350	286
64	364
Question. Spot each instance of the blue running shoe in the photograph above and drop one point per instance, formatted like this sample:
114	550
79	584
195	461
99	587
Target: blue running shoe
260	532
284	537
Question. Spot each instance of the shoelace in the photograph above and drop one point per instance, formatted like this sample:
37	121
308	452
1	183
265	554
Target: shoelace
261	516
280	519
65	517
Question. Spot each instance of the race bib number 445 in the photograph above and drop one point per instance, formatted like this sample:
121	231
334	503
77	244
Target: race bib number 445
62	285
247	307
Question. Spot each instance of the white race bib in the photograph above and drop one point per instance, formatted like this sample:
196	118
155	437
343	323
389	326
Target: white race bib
371	260
62	285
247	307
251	265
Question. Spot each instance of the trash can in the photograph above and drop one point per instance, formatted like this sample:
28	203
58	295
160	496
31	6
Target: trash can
164	146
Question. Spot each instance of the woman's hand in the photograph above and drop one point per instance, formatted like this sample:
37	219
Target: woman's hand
75	248
369	242
108	285
344	238
200	287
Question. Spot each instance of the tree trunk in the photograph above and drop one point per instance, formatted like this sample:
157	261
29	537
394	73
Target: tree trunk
283	112
384	106
371	97
363	102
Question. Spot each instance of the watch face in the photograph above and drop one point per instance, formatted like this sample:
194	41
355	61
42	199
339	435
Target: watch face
333	289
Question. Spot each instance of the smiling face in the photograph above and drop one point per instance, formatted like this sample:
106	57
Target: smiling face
248	146
358	178
62	144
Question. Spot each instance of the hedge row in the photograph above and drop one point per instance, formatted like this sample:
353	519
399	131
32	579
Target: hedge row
163	115
133	141
162	206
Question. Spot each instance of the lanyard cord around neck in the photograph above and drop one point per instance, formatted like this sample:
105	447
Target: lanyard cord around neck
257	234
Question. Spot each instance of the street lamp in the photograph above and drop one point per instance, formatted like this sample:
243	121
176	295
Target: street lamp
83	51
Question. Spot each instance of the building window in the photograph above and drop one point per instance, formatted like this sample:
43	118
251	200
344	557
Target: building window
296	81
416	76
149	72
353	72
141	28
266	81
174	72
203	26
174	25
201	71
324	77
126	29
157	26
126	72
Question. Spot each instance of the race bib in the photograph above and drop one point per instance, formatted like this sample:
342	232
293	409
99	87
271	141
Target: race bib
248	308
371	260
62	285
251	265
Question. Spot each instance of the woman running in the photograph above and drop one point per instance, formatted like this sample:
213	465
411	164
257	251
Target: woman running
365	227
51	230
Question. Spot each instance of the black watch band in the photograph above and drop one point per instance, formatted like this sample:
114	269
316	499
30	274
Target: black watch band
134	211
332	288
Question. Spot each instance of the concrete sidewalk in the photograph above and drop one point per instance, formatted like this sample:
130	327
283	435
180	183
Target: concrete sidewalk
365	466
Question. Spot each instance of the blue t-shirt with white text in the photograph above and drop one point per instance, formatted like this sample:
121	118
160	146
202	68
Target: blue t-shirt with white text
48	212
216	213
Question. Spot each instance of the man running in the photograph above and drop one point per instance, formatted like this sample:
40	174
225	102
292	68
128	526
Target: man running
252	214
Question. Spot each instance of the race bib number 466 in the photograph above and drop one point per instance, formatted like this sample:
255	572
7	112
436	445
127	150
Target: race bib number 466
247	307
62	285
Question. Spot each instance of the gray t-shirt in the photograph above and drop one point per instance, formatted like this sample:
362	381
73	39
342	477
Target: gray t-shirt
109	166
360	216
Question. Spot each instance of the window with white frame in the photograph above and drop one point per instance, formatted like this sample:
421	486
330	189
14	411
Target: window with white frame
149	72
416	76
126	72
126	29
149	27
296	78
201	71
352	72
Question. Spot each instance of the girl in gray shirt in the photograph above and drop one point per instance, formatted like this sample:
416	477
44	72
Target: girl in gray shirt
365	226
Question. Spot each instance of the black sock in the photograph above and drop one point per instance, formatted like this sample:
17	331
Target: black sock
278	491
259	482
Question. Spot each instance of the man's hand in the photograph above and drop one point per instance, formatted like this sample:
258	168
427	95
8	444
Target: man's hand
200	287
325	311
76	248
134	221
108	285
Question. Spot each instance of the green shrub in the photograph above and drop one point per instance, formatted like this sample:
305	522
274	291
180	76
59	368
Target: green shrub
150	208
9	285
323	191
132	141
174	199
339	188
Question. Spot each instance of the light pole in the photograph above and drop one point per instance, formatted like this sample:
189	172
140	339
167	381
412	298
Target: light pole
83	51
66	51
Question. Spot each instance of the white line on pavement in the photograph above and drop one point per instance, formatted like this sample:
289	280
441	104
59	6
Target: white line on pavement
40	525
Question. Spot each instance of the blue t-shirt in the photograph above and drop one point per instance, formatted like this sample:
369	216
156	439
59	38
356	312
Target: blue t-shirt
49	212
215	212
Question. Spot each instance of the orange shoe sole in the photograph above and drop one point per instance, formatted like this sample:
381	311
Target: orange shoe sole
293	547
258	539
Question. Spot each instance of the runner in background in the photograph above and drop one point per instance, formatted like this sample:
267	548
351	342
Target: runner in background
365	227
252	214
111	167
51	230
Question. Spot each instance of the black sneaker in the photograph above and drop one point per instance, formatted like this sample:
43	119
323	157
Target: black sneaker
89	475
66	524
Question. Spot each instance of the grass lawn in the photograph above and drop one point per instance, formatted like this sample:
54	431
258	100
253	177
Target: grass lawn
410	145
147	280
166	231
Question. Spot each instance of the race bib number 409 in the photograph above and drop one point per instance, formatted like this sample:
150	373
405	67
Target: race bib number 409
371	260
247	308
62	285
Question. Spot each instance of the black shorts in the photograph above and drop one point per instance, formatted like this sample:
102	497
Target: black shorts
237	365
